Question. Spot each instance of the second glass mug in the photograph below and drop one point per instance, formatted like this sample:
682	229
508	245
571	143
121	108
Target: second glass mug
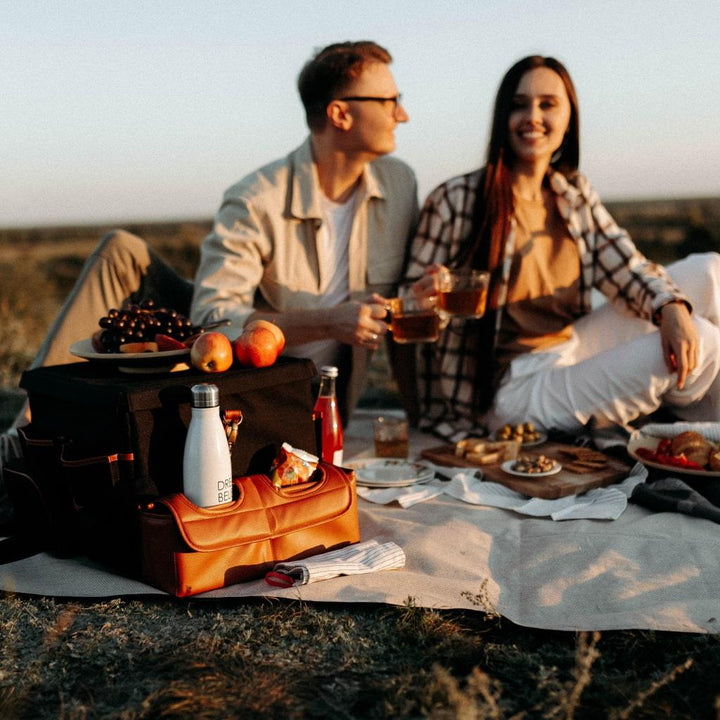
462	293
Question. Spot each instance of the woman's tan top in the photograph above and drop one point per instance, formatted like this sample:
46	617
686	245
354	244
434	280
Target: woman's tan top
544	283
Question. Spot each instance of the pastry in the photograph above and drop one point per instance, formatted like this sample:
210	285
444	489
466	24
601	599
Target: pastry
693	446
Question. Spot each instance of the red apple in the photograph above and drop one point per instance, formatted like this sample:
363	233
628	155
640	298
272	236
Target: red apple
240	350
272	327
212	352
257	347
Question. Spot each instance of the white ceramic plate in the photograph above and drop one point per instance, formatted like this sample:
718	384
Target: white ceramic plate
383	473
148	362
507	466
638	440
526	444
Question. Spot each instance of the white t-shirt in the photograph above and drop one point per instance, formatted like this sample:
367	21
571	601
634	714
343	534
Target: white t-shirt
333	256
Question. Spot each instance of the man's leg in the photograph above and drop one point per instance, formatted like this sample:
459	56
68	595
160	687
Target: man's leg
121	269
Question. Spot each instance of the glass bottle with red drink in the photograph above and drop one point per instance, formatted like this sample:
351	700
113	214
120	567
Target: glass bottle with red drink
326	415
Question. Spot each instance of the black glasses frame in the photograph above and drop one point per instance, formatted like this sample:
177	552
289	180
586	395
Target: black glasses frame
395	99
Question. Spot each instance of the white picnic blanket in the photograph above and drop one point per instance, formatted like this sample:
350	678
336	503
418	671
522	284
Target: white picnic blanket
643	570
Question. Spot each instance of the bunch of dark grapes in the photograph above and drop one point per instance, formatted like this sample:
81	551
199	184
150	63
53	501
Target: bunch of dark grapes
140	323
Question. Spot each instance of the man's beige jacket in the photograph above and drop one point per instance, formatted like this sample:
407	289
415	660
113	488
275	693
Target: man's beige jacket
263	252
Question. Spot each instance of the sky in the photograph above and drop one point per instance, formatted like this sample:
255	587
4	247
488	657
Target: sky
117	111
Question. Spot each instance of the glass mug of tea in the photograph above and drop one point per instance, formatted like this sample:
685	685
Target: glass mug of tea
413	316
462	293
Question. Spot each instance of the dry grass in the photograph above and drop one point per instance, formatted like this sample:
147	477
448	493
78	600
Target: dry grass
260	659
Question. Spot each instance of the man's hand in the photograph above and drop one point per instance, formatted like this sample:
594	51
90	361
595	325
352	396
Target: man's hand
360	323
679	340
351	322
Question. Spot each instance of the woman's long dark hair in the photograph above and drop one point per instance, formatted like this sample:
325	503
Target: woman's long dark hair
494	207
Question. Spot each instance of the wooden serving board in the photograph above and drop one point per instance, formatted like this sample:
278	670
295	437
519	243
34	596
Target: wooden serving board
549	487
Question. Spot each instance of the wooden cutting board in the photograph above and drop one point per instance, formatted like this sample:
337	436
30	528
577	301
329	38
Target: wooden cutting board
549	487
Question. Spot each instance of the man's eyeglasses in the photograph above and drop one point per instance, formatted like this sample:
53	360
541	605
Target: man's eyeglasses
396	100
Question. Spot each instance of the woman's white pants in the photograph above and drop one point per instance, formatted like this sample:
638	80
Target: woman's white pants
613	368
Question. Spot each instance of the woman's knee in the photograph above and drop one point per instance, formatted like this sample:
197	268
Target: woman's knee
709	343
696	267
698	276
706	264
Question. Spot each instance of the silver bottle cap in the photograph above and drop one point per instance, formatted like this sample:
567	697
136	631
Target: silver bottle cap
329	370
205	395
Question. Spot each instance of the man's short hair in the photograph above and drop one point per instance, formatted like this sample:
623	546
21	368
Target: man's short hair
330	71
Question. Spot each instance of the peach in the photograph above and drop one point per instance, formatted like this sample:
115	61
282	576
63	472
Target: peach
257	347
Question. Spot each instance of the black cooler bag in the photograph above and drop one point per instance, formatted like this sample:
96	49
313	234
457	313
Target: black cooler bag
100	410
102	442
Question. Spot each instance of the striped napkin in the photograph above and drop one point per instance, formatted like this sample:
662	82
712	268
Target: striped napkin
365	557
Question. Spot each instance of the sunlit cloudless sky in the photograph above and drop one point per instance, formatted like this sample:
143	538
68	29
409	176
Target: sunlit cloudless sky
117	110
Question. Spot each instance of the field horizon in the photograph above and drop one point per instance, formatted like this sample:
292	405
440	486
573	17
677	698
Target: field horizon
667	205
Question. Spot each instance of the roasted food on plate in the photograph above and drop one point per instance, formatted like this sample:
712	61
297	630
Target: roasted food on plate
533	464
693	446
689	450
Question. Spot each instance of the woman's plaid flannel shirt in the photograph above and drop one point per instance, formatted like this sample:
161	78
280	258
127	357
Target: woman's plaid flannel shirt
609	262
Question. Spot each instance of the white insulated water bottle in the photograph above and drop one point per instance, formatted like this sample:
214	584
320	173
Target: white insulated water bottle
207	469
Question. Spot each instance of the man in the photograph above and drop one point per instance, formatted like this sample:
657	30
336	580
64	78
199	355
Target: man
315	240
311	241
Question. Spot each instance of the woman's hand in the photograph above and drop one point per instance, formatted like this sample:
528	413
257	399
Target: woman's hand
429	283
679	340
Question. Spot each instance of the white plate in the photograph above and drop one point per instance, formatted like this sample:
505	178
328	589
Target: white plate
148	362
507	466
638	440
532	443
382	472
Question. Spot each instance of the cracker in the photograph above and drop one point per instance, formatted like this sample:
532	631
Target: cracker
485	458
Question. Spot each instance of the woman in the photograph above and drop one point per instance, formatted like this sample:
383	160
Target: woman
541	354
